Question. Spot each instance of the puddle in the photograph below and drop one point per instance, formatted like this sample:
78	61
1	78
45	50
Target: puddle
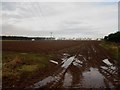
63	60
53	61
93	79
94	49
65	57
51	79
111	67
80	55
68	62
66	54
84	59
89	57
106	61
56	77
103	67
77	62
44	82
67	79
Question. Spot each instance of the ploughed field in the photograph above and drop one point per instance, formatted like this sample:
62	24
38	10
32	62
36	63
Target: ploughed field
58	64
45	46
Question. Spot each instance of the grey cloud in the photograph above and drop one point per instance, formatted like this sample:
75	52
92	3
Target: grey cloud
19	10
9	6
63	19
78	26
13	30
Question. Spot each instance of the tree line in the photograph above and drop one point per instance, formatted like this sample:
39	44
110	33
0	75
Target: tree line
113	37
25	38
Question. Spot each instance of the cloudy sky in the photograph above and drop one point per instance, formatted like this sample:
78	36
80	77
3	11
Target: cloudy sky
64	19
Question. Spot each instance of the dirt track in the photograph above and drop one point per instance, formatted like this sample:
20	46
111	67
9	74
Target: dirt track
90	66
81	64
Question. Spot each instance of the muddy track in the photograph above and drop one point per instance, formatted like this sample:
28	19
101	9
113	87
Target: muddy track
90	67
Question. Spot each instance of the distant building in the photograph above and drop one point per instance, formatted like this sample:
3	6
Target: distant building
98	39
32	39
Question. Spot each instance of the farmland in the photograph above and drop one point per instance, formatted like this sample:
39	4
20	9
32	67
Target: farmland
23	57
37	46
58	64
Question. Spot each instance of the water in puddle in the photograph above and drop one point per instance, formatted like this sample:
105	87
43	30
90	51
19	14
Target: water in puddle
44	82
65	57
106	61
93	79
94	49
66	54
67	79
55	62
68	62
89	79
109	66
77	63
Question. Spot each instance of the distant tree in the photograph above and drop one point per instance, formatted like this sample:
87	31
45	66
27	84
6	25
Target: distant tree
106	37
25	38
113	37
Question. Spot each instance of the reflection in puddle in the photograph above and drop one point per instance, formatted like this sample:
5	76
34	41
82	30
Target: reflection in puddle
63	60
65	57
92	79
77	62
113	67
81	76
84	59
67	79
106	61
103	67
89	58
80	55
68	62
94	49
66	54
110	67
44	82
55	62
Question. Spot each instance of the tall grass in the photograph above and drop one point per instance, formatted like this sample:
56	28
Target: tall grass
19	66
112	48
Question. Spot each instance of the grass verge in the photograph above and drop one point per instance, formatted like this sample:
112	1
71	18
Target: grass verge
113	48
18	68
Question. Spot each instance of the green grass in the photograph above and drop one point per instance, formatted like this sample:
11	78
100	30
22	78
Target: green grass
15	59
18	65
28	68
112	48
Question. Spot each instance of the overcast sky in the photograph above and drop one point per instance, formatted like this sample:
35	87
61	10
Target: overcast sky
64	19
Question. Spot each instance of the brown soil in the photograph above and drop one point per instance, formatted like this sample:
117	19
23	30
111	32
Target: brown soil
90	50
37	46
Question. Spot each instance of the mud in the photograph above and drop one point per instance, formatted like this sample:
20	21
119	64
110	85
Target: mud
78	64
90	67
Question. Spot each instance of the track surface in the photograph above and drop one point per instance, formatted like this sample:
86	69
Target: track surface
89	67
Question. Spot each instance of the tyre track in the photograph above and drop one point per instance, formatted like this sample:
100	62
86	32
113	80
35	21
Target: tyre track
87	61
